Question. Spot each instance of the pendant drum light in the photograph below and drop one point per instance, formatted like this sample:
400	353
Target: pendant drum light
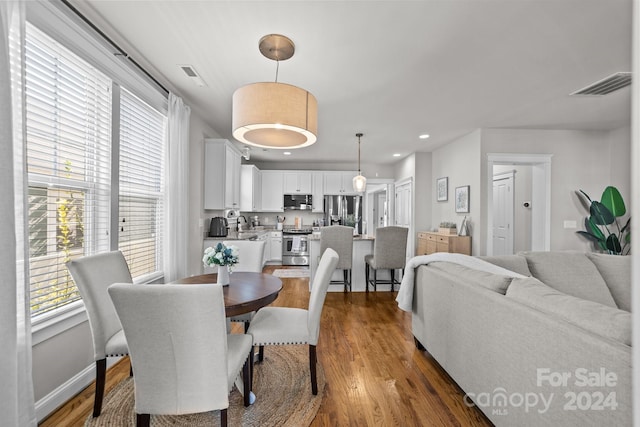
359	182
275	115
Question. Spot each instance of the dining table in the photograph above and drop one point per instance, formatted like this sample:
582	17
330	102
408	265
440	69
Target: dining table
246	292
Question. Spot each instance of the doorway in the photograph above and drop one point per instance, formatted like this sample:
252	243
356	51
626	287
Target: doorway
503	221
537	236
404	211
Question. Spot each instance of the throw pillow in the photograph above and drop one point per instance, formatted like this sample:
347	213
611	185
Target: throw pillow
571	273
616	272
603	320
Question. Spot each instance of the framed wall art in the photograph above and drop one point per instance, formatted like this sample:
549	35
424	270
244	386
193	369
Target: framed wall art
462	199
442	189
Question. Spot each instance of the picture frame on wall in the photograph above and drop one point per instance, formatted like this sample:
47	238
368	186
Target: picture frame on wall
442	189
462	199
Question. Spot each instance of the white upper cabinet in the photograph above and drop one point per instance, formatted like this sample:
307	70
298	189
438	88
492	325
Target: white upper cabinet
221	175
339	182
317	191
250	189
272	191
297	182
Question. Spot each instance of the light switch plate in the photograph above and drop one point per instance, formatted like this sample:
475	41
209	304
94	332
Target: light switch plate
570	224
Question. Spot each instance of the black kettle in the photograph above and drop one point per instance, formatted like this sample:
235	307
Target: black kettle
218	227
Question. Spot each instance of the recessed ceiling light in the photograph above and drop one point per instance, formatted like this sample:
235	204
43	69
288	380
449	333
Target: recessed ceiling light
397	154
287	153
424	136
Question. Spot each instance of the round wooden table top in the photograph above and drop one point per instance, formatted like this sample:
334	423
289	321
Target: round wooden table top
246	292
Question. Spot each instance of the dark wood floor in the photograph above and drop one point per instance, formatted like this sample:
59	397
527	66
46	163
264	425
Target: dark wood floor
374	374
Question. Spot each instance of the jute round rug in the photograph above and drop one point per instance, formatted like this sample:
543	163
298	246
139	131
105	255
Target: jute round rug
281	384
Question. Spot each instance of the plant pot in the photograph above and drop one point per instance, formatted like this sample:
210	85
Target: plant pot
223	275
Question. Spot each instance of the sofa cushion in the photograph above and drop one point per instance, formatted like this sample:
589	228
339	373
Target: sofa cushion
515	263
571	273
616	272
601	319
494	282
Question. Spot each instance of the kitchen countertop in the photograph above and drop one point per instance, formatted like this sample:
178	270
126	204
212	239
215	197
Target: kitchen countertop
355	238
242	235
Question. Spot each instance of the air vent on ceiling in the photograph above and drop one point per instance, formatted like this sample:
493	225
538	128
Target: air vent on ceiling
607	85
193	75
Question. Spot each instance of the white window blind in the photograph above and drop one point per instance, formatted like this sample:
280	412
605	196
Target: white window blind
142	133
68	127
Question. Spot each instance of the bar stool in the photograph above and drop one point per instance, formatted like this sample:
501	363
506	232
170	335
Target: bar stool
389	253
340	239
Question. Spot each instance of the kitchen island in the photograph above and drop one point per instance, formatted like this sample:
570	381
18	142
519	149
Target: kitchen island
362	245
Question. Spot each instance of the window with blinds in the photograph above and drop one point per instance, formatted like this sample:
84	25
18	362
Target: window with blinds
68	138
142	133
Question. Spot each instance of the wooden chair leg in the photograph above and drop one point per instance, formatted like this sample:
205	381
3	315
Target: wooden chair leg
223	417
246	327
101	373
143	420
246	377
375	280
366	277
393	278
130	368
312	368
261	354
345	277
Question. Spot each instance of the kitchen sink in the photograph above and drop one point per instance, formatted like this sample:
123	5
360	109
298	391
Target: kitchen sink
247	236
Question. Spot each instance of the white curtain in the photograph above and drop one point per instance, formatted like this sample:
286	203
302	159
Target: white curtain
17	406
177	190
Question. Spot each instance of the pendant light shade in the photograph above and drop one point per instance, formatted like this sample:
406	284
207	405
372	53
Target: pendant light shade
359	181
275	115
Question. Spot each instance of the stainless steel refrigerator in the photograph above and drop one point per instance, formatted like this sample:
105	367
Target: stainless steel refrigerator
343	210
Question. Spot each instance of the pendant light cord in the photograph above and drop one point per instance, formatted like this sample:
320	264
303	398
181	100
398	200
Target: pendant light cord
277	69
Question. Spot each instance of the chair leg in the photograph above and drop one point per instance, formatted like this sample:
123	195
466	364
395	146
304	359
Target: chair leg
246	377
130	368
393	278
143	420
375	280
366	277
223	417
261	354
246	326
101	373
312	367
345	276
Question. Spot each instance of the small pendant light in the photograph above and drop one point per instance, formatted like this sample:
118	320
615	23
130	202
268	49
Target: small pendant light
359	182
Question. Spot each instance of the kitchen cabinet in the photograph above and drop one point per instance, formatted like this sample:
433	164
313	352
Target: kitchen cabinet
221	175
339	182
251	188
275	245
264	237
297	182
272	191
317	192
429	243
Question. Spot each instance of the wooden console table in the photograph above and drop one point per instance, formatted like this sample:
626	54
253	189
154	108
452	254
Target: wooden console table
431	242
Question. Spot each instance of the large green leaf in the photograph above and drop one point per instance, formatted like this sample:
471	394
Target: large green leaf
589	236
612	199
613	244
600	214
593	229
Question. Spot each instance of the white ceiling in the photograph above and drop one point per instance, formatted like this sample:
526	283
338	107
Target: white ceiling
390	69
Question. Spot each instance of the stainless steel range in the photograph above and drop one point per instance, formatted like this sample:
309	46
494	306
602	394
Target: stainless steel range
295	246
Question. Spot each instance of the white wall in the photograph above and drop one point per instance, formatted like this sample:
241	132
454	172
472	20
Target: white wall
581	160
197	133
459	161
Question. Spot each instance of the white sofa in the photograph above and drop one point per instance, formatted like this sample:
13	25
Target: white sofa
551	349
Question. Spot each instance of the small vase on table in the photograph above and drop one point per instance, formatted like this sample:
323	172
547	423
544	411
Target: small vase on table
223	275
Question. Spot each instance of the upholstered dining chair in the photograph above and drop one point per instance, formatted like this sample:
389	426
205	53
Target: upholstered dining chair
250	256
183	360
340	239
93	275
389	253
288	325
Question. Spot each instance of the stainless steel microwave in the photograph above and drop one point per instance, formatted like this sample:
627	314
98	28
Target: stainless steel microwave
299	202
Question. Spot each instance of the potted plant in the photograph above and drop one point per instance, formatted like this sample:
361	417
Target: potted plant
222	256
602	226
448	228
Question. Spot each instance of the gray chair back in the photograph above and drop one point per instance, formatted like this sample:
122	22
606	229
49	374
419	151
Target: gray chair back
390	247
93	275
250	254
319	289
340	239
178	345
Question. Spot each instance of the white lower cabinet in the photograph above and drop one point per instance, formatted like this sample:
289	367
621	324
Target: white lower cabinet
275	244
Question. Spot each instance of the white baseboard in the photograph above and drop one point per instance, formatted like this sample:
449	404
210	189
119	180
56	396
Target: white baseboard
66	391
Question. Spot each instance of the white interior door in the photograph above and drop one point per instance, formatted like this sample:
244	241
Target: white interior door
503	214
403	212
